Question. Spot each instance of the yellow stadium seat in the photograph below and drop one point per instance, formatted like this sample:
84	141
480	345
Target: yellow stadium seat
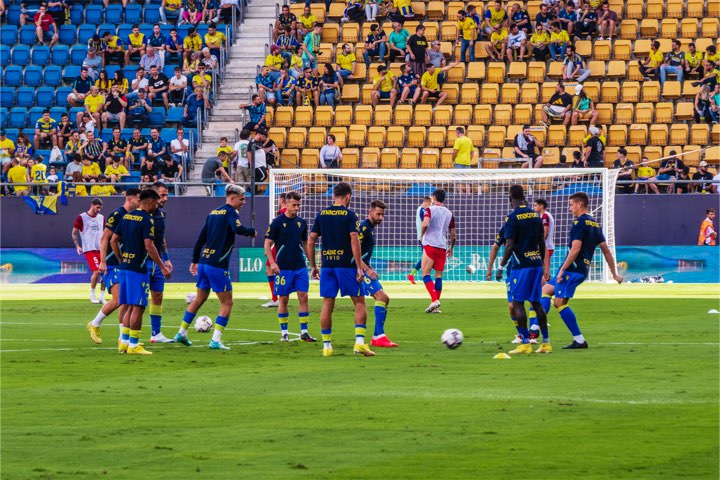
423	115
669	28
290	157
343	115
551	156
469	93
395	137
296	9
453	8
351	158
436	136
622	50
644	113
702	43
695	8
617	135
649	28
284	116
483	114
597	68
448	31
638	134
457	74
503	115
634	71
651	91
603	49
409	158
522	114
357	135
435	10
654	9
376	137
443	115
416	136
548	90
331	33
363	115
537	113
584	48
630	92
652	153
389	158
326	54
576	134
419	9
403	115
370	157
317	10
453	93
366	90
431	30
605	112
709	28
689	91
476	133
674	9
518	70
310	158
489	154
610	92
341	136
463	114
480	52
529	92
635	9
556	136
679	133
628	29
350	93
712	155
533	7
324	116
642	48
555	70
691	155
537	131
510	93
278	135
671	89
507	152
496	72
684	111
536	72
304	116
490	93
664	112
624	113
700	134
429	158
297	137
616	69
383	116
688	28
496	136
715	134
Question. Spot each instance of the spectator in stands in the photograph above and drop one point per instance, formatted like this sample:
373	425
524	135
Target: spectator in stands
158	86
372	9
330	154
295	65
94	149
209	60
397	42
494	17
193	42
213	167
138	146
224	147
23	148
417	49
520	17
466	34
587	22
136	44
305	23
75	166
215	41
559	42
384	86
73	146
285	88
437	58
45	130
103	83
80	190
545	17
139	109
583	107
140	82
169	7
673	63
115	172
329	86
574	68
594	153
90	170
408	86
705	186
45	27
568	18
463	152
558	107
170	170
684	176
287	43
56	9
80	88
431	86
715	103
112	49
179	147
353	12
265	86
202	80
285	19
607	21
176	88
18	174
646	175
121	82
404	8
650	67
7	149
274	62
211	11
703	111
669	169
710	75
375	45
192	13
102	189
692	64
226	10
173	47
149	170
157	147
271	151
308	89
157	41
516	43
117	147
114	108
95	44
257	111
241	167
87	124
150	59
626	167
498	42
346	61
93	63
539	42
526	145
94	103
124	3
53	177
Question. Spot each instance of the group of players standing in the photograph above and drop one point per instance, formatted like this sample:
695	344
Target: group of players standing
135	263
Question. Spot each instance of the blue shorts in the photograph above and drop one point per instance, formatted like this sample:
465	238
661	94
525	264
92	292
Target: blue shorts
370	287
290	281
111	277
566	288
157	280
507	286
526	284
663	176
344	280
460	166
134	288
215	278
384	94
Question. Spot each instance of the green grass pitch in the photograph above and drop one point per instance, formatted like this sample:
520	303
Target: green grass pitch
641	403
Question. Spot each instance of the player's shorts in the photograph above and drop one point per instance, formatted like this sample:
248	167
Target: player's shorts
215	278
290	281
370	287
550	252
157	279
438	256
134	288
507	286
566	288
93	259
274	256
111	277
526	284
343	280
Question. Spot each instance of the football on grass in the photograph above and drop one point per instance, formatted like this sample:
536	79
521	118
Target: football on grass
203	324
470	269
452	338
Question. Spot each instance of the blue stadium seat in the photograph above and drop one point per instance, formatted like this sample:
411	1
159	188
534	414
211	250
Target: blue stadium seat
78	54
126	132
60	55
4	55
152	14
156	118
13	15
165	30
86	32
17	117
111	69
45	97
7	97
67	34
34	115
3	117
129	71
94	14
25	97
145	132
106	135
53	76
114	14
61	96
124	30
74	111
33	75
168	134
76	14
45	154
133	13
30	132
27	35
70	73
169	70
8	35
13	76
40	55
146	28
183	30
107	27
21	55
174	115
57	112
202	29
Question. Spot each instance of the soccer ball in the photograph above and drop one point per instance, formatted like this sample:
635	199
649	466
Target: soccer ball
190	297
470	269
452	338
203	324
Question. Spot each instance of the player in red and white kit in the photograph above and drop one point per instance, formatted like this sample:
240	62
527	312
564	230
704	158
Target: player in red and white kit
273	303
548	221
86	233
437	222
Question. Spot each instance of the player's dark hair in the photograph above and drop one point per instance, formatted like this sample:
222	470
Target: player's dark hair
291	196
378	204
96	201
541	201
283	196
132	192
709	211
517	192
342	189
149	194
439	195
580	197
427	199
158	185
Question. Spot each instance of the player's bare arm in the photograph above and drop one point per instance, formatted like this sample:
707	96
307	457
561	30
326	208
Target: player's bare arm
155	257
167	262
115	245
357	255
545	259
104	240
372	274
310	252
76	240
268	253
509	247
571	256
491	261
453	238
610	261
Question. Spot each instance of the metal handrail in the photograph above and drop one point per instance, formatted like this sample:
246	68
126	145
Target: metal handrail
199	123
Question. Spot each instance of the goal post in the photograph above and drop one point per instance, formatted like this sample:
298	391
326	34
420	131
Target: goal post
478	199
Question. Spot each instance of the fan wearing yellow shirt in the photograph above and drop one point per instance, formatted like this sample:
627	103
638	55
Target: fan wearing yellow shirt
215	40
80	190
384	86
405	8
559	41
224	147
7	148
494	18
467	32
102	189
169	7
116	171
192	42
274	61
498	38
539	42
38	173
18	174
94	103
463	156
346	61
693	61
650	67
136	44
307	21
644	173
430	85
90	170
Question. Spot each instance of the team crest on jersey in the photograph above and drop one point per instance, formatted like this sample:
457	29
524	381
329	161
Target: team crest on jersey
284	225
299	224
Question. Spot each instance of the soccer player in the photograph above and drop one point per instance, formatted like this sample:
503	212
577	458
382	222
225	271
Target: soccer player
585	236
525	242
289	233
548	221
136	232
270	276
500	241
341	266
210	261
437	221
371	284
419	216
109	265
157	279
86	233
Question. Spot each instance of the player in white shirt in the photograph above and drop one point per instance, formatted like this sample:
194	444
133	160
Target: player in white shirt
419	216
86	233
437	222
548	222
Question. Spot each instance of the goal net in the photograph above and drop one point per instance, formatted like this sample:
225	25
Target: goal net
477	198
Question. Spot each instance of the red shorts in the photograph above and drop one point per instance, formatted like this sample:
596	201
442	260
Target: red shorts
274	255
437	255
93	260
550	252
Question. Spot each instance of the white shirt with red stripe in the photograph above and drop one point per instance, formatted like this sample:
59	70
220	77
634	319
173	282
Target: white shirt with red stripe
549	221
441	220
91	229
